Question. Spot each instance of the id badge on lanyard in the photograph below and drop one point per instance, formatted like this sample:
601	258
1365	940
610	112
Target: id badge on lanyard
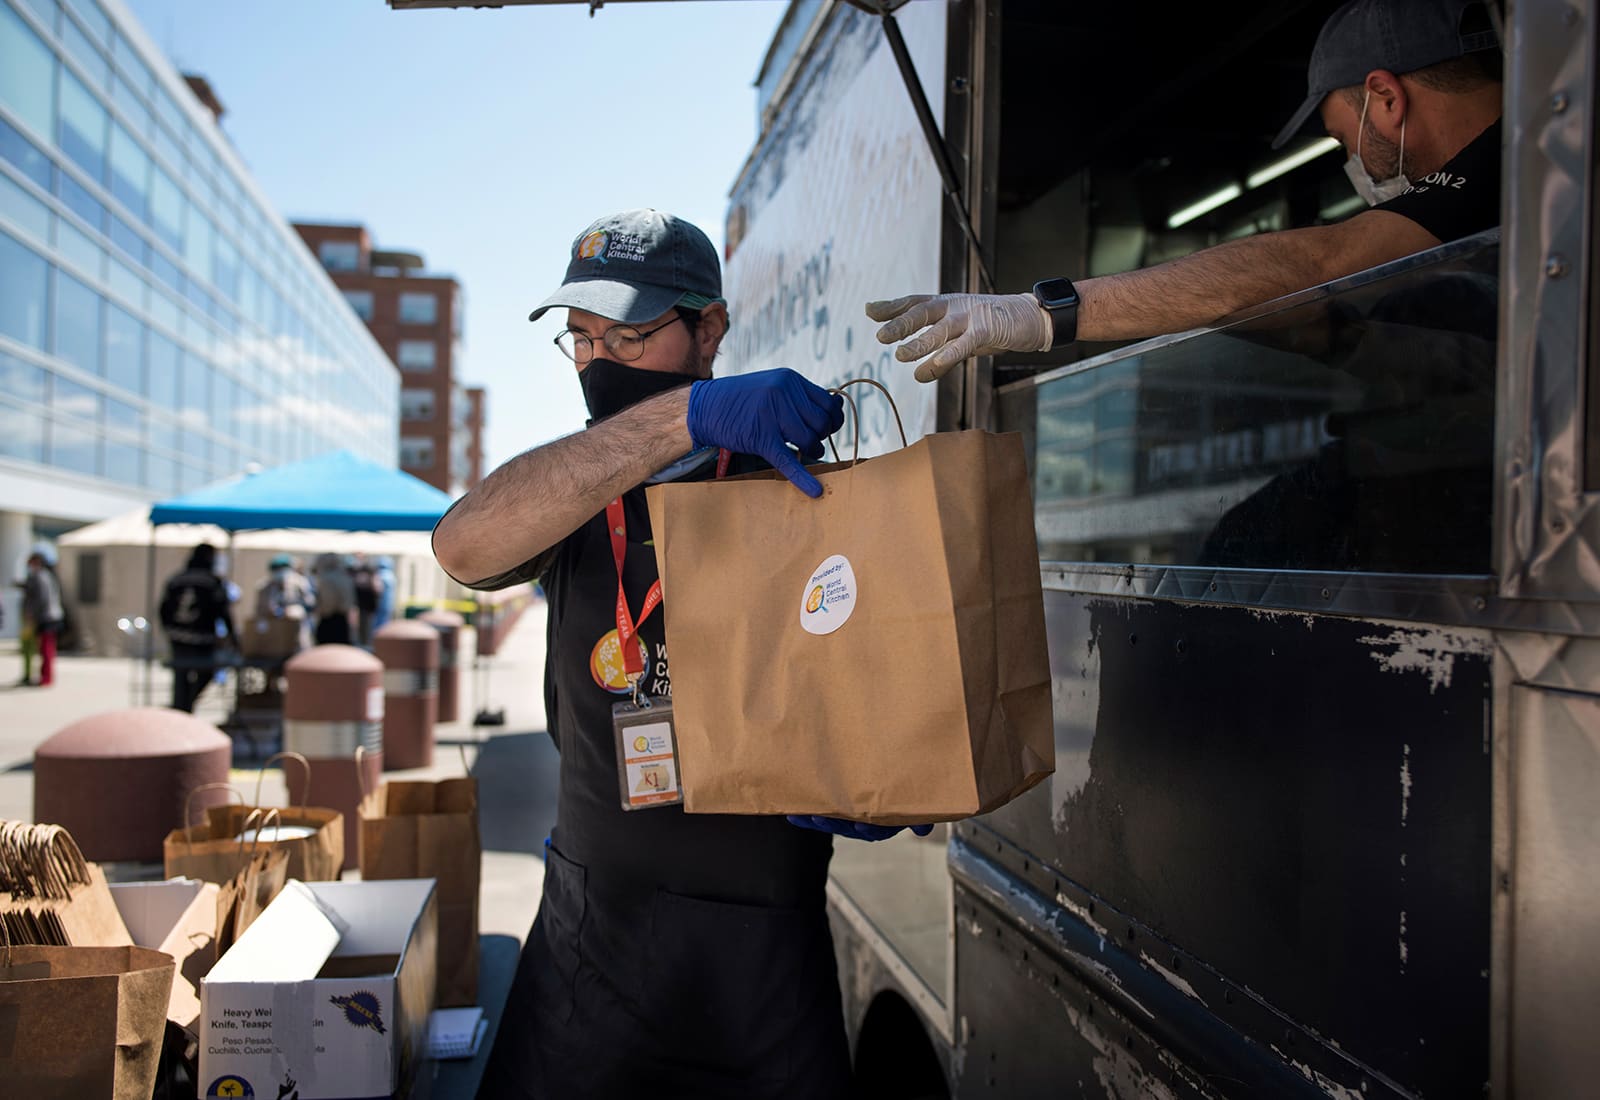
646	742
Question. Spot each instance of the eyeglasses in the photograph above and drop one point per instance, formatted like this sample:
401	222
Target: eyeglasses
624	342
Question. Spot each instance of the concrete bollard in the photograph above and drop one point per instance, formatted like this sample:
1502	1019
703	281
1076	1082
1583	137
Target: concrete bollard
410	654
486	629
332	706
449	625
117	781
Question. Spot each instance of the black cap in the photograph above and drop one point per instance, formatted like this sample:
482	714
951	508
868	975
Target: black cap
636	265
1401	36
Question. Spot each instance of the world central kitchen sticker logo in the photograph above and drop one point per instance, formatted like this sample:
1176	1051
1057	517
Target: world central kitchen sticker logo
829	597
361	1009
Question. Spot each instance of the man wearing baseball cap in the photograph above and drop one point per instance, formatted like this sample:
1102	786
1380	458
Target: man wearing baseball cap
1410	88
673	954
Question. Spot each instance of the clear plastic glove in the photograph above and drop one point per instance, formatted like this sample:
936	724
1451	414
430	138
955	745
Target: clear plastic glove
960	326
762	414
855	830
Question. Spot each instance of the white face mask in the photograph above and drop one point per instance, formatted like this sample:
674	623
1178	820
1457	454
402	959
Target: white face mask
1376	191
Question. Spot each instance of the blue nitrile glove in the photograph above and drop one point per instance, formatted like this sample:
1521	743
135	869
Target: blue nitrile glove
855	830
763	412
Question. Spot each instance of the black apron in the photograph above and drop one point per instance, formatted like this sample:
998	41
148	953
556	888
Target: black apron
673	954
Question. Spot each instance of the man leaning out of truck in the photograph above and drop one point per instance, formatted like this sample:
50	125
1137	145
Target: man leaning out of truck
1410	88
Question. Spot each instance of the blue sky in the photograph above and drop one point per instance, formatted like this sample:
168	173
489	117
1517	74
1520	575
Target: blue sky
484	139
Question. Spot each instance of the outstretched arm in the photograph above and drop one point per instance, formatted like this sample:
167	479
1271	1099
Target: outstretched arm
1181	294
541	496
1206	286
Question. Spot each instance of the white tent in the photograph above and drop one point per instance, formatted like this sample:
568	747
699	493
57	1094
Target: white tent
134	529
103	566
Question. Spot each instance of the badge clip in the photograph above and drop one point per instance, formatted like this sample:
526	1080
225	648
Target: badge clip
647	752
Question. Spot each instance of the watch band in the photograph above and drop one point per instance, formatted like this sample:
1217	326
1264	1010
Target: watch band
1059	298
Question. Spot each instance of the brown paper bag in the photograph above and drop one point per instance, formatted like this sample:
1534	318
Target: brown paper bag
50	895
211	851
429	829
242	898
82	1021
193	946
908	684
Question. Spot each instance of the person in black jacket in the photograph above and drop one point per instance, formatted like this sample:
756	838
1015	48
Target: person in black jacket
674	954
193	606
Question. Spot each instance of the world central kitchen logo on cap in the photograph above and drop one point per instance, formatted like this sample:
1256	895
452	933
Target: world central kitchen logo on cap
593	247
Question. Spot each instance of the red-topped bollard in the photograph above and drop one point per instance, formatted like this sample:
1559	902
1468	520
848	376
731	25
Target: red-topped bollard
409	651
449	625
117	781
486	629
333	705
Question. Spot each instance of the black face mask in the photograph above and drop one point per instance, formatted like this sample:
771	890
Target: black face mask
609	386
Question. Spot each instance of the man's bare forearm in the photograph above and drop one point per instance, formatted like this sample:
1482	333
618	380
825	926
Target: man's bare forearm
541	496
1206	286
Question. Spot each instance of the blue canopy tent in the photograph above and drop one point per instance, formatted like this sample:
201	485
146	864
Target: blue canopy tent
338	491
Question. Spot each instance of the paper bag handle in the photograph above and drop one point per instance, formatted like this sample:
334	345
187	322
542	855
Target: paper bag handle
855	455
15	872
305	788
466	766
60	853
13	867
40	861
260	817
188	803
361	773
251	820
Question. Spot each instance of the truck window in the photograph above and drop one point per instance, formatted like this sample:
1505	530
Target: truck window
1348	428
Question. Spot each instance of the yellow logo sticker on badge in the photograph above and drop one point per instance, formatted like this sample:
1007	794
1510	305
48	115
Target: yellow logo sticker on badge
814	600
605	662
640	744
593	245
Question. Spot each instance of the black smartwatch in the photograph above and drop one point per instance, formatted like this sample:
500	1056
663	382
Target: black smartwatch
1059	299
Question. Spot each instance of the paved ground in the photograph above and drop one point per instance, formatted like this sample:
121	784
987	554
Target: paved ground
515	763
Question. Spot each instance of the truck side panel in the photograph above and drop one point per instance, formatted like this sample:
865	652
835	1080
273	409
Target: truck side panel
1337	825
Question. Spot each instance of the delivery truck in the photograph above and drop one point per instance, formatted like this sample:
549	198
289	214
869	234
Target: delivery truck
1321	580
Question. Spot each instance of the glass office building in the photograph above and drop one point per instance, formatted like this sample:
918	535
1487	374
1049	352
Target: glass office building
161	327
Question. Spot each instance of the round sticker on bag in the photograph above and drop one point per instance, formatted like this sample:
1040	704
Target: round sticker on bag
830	595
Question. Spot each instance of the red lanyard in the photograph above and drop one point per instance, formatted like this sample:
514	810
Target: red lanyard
627	625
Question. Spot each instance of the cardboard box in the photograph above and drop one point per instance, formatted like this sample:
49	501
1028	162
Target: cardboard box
178	917
327	993
270	637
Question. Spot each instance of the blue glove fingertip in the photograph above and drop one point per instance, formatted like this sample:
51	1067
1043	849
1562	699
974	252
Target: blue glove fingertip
922	830
786	465
818	823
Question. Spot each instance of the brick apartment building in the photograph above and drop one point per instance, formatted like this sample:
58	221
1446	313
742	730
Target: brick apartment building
417	318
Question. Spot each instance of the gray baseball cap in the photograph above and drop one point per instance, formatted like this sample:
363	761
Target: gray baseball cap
634	266
1399	35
